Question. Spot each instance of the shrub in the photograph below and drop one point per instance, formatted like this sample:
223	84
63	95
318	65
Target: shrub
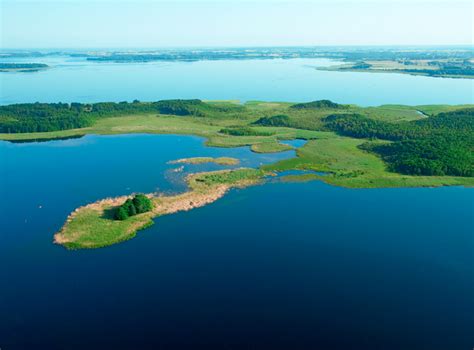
138	205
121	214
243	131
317	105
142	203
129	206
276	120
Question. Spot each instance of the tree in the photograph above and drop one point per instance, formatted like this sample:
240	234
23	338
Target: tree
129	206
121	214
142	203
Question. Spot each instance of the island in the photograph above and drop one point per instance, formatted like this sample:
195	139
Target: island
355	147
203	160
101	224
439	68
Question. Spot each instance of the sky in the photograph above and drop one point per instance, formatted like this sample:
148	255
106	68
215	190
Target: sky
188	23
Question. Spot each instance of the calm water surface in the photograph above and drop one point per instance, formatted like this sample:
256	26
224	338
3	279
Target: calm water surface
77	80
278	266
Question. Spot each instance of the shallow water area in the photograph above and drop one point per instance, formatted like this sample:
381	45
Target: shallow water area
296	143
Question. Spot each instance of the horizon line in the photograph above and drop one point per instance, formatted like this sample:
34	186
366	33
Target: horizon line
471	45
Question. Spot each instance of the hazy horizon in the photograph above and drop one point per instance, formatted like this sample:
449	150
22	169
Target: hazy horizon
131	48
103	24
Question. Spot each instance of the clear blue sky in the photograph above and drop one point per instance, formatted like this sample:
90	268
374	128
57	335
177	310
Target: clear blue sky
147	23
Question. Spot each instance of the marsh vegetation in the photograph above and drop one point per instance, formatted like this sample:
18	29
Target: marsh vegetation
390	145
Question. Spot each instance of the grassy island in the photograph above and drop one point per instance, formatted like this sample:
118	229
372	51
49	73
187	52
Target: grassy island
204	160
95	225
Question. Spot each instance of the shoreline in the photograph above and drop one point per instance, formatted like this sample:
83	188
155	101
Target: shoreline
392	71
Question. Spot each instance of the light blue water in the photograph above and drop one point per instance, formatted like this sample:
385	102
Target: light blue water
277	266
297	143
76	80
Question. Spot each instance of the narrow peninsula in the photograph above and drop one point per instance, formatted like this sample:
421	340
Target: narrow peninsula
97	225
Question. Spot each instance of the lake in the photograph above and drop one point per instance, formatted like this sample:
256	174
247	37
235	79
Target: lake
294	80
275	266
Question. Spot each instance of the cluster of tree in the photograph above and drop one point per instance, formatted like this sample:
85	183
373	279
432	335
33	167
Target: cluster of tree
276	120
464	71
317	105
427	156
452	67
138	205
439	145
460	122
243	131
41	117
180	107
359	126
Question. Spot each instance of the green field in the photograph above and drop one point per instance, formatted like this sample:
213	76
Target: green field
346	164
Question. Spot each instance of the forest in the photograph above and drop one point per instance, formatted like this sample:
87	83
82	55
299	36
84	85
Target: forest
438	145
42	117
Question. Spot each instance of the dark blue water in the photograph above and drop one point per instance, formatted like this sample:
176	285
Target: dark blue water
278	266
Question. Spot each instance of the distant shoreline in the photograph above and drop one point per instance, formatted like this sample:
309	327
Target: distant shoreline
22	67
414	72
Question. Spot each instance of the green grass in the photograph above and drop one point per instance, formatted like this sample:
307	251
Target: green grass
436	109
93	230
393	113
228	177
270	147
